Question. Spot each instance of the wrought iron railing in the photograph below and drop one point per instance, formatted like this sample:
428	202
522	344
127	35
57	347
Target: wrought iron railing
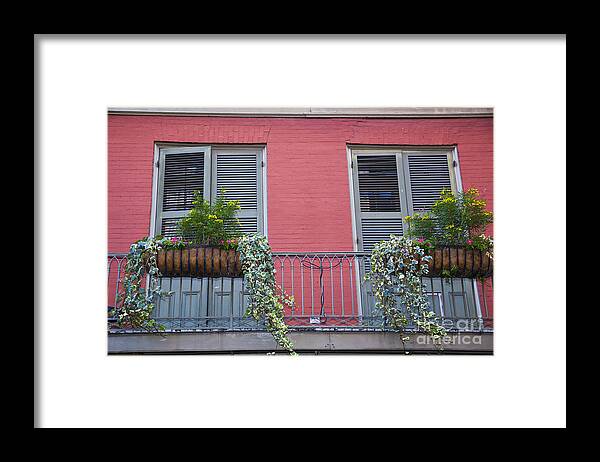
329	289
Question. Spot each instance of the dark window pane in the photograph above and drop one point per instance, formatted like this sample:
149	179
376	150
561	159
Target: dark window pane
378	184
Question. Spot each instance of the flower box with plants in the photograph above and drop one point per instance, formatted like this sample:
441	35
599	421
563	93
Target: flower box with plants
207	242
453	234
210	244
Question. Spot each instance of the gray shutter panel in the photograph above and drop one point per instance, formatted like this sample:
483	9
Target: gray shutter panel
238	172
379	229
426	175
379	198
181	172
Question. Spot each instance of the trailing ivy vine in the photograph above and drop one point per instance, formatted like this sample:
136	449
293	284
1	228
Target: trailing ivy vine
266	297
134	305
396	269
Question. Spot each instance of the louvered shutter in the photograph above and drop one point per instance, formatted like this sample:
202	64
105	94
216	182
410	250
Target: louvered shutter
426	175
181	172
238	172
379	198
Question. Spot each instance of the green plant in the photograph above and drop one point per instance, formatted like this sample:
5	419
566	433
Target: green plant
396	269
266	297
448	274
135	303
209	224
459	219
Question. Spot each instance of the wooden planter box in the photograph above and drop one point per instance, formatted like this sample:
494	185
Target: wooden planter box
199	262
460	262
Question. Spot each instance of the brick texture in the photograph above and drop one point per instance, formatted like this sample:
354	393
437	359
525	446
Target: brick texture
307	176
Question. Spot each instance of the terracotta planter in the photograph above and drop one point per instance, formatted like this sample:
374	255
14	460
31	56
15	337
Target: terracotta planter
199	262
460	262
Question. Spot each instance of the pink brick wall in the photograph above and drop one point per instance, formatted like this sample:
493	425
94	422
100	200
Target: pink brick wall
307	180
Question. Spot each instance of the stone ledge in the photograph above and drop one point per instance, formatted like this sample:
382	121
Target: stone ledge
310	112
305	342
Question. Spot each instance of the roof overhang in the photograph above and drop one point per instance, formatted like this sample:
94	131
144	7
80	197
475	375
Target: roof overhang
312	112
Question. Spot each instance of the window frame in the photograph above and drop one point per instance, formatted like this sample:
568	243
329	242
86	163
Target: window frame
161	148
352	151
401	153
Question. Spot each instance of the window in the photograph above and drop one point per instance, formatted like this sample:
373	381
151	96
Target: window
390	184
185	169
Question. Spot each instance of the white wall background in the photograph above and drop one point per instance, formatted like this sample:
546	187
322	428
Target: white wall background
523	384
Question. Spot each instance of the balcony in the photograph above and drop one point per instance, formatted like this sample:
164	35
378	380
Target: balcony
334	310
